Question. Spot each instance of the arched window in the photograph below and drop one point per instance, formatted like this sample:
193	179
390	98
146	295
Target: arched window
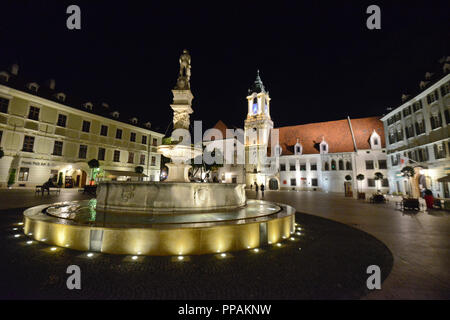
326	166
341	164
333	165
348	165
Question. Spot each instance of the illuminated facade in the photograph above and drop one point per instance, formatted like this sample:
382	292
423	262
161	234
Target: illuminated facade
46	134
324	156
418	136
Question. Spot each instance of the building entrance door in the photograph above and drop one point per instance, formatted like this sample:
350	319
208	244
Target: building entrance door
348	189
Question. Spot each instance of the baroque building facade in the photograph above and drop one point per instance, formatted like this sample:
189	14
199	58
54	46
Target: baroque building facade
418	135
325	156
45	133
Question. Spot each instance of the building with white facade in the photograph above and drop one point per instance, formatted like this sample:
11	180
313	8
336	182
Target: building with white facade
231	147
418	136
45	133
325	156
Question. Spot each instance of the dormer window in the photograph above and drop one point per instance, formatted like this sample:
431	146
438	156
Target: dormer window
33	86
88	105
4	76
375	140
134	120
60	96
278	150
115	114
148	125
323	146
298	148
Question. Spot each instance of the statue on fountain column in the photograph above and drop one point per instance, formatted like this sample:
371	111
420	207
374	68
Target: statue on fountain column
185	71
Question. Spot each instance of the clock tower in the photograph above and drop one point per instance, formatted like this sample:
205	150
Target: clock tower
257	128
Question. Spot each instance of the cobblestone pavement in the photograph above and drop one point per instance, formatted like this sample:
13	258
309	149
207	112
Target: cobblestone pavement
419	242
327	261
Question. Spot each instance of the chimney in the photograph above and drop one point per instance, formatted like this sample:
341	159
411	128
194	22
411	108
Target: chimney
15	69
51	84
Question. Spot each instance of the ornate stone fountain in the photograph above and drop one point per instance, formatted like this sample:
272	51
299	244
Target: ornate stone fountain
174	217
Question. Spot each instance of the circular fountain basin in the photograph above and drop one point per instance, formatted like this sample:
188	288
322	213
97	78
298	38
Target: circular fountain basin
79	225
151	197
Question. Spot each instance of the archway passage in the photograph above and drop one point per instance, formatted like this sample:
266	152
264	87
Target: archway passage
273	184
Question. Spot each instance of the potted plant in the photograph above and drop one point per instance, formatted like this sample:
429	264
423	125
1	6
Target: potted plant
361	195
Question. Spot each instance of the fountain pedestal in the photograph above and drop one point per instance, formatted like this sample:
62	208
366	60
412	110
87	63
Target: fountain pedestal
178	172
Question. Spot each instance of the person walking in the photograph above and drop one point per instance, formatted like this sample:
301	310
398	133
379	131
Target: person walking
256	189
262	190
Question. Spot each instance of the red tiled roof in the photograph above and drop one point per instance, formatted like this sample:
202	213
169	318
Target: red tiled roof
222	127
336	133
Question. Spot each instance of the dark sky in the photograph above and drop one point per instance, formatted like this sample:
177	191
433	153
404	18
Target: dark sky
317	59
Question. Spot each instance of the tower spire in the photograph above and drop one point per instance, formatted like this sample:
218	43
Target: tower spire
258	85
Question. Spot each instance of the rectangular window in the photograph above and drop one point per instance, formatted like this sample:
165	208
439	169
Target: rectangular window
144	139
314	167
33	114
133	137
82	152
1	135
28	144
382	164
292	167
23	174
385	183
119	134
101	154
439	151
154	142
62	119
4	103
293	182
282	167
303	167
369	164
86	126
130	157
116	156
314	182
407	111
142	159
410	131
153	161
371	182
57	148
104	130
433	96
436	121
420	127
417	105
445	88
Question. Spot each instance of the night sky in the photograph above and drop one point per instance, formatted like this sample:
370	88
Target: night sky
317	59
